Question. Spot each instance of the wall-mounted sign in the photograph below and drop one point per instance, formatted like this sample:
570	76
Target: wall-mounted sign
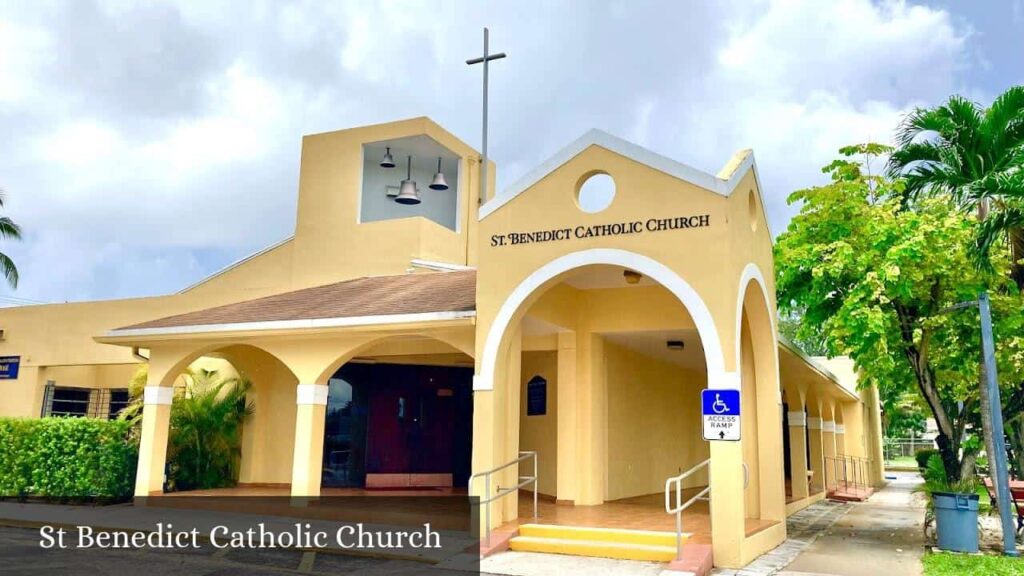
720	411
9	367
600	230
537	396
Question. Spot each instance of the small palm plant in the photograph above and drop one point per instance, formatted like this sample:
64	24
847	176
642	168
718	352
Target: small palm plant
205	446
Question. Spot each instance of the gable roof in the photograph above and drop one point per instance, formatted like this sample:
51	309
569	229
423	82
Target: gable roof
374	300
723	183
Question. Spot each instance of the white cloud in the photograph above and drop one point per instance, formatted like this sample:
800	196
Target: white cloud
114	159
799	79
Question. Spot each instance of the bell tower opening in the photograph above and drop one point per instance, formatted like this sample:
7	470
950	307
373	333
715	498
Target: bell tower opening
411	176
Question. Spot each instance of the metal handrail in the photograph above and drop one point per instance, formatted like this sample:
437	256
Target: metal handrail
523	482
848	465
677	483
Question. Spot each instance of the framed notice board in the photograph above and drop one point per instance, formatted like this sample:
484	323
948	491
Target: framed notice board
9	367
537	396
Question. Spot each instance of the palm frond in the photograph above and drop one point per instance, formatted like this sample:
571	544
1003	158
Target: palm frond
9	270
995	228
9	230
1004	120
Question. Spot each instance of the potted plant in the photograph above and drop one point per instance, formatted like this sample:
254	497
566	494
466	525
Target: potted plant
953	505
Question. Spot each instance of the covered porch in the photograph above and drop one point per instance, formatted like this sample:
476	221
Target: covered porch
355	386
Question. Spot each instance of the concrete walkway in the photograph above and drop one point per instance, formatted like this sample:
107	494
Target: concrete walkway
881	536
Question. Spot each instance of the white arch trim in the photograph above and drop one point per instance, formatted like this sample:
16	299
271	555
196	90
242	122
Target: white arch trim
717	377
751	273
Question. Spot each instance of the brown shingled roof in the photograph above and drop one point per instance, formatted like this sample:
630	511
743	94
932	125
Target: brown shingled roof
378	295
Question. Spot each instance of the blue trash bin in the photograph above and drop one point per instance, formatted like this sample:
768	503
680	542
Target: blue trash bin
956	521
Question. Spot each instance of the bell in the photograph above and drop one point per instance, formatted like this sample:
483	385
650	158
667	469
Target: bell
408	194
388	161
439	182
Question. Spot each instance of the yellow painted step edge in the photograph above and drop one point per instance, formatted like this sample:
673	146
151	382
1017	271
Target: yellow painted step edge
617	550
649	537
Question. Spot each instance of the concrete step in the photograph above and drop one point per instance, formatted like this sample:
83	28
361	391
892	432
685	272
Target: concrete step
645	545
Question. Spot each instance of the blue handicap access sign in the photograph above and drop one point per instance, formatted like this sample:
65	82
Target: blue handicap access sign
720	417
720	402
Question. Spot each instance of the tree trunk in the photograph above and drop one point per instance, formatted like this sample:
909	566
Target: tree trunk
1017	255
948	439
1015	429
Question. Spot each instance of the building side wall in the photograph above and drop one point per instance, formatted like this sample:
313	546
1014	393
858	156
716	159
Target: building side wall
653	423
539	433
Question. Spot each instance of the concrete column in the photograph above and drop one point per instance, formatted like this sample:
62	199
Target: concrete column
156	417
510	476
727	491
798	454
566	489
828	449
496	432
873	435
308	455
817	463
591	421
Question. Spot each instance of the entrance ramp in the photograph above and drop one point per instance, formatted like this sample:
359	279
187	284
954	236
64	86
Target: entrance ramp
648	545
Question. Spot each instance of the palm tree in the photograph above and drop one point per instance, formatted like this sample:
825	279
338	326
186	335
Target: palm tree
8	231
206	431
975	155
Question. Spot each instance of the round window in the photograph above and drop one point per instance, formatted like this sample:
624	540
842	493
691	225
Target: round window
595	192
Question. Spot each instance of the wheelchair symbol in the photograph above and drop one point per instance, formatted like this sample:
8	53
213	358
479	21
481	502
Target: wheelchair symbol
719	407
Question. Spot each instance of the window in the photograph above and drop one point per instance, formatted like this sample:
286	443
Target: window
84	402
118	401
68	402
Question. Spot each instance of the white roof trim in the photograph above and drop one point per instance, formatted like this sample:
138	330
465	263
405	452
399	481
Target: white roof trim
439	266
379	320
815	365
237	263
629	150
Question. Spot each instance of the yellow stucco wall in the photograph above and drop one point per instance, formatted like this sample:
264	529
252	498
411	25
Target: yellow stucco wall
619	423
328	246
540	432
653	423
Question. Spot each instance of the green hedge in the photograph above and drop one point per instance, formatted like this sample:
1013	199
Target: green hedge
923	455
67	458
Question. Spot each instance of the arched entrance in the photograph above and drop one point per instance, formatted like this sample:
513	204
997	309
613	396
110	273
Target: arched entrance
623	346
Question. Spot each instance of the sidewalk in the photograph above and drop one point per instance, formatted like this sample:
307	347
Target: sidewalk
881	536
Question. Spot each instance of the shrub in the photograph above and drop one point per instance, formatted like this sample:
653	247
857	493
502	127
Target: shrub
923	455
205	445
67	458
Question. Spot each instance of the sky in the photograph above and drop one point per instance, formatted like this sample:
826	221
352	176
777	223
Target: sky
145	145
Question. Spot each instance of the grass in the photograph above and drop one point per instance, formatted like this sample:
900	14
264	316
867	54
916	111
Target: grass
984	502
902	462
946	564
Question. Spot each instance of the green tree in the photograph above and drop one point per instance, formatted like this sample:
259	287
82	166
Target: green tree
8	231
873	274
810	340
974	155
